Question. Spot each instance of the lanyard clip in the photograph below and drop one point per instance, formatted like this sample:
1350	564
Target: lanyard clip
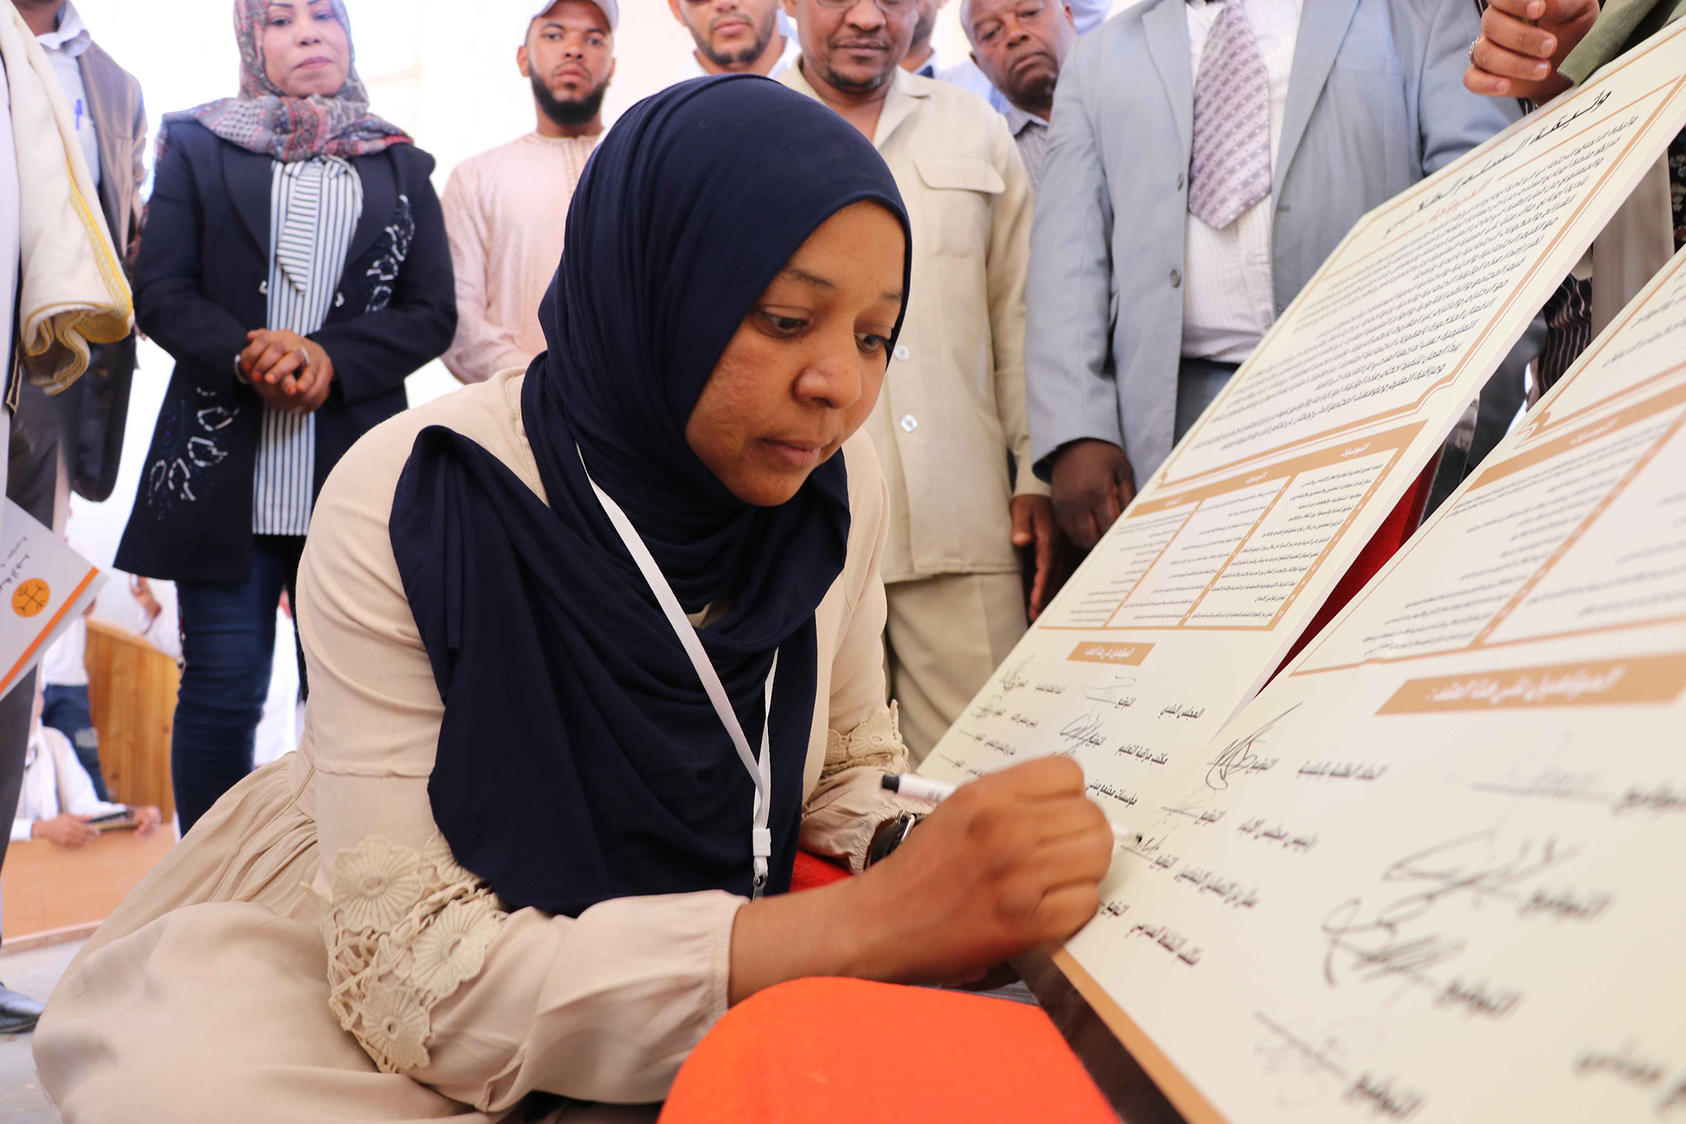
761	841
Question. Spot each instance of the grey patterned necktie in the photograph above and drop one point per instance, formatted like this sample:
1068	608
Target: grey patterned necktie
1230	167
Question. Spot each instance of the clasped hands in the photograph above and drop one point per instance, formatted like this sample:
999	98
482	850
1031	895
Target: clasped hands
288	371
1523	42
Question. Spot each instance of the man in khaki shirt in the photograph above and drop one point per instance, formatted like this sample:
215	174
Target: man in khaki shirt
952	413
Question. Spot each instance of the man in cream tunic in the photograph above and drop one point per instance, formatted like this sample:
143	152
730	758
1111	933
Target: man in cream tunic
505	209
952	413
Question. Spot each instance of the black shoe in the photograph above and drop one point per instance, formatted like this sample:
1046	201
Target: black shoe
18	1012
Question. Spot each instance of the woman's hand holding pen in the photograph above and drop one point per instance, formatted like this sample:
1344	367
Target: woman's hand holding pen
288	371
1009	863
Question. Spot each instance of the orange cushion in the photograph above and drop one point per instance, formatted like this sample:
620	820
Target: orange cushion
824	1050
811	872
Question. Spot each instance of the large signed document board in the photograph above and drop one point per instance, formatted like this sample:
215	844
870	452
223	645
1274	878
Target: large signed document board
1438	869
1421	876
1444	876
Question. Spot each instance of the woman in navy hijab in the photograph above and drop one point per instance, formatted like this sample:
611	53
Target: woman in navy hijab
594	650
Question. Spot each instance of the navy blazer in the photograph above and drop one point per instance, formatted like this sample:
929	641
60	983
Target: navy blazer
201	283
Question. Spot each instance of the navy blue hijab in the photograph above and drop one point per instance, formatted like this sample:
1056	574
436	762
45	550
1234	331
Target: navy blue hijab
579	757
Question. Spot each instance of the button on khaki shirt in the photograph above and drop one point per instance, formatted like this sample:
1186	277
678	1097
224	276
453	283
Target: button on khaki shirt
953	405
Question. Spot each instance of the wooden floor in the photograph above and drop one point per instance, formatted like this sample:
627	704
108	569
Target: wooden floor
53	893
50	889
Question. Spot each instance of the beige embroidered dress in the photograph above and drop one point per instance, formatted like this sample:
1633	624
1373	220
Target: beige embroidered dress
311	952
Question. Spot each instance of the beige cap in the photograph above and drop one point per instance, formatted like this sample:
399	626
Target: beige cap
610	9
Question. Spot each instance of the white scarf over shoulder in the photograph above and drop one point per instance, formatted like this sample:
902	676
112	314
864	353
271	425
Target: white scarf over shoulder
72	289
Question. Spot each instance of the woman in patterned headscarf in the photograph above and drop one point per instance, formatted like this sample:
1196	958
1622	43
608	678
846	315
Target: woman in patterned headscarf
300	96
295	265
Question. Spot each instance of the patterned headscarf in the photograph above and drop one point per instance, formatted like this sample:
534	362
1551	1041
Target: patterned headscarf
266	121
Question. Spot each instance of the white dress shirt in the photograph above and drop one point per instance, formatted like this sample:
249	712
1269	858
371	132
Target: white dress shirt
1227	291
54	783
64	47
65	663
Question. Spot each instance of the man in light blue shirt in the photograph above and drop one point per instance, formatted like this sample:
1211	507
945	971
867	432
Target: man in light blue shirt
65	45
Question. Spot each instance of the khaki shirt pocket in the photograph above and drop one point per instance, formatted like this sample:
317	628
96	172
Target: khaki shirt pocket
959	194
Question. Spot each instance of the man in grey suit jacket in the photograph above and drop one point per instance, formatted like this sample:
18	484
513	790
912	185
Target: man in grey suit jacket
1135	324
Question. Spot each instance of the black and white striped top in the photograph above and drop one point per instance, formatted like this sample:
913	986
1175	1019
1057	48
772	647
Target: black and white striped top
314	208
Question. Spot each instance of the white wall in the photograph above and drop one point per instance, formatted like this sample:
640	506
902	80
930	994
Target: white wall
445	71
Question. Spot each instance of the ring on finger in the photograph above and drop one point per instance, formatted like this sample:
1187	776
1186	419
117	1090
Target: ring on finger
304	358
1473	43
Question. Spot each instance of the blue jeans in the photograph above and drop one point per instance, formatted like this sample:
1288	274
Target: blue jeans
65	709
227	643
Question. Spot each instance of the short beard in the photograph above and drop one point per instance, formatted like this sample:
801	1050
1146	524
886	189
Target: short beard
568	114
856	85
763	36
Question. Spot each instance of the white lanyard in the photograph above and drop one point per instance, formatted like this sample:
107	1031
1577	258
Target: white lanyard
760	771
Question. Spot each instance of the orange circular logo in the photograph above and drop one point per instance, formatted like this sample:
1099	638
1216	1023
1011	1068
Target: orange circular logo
30	597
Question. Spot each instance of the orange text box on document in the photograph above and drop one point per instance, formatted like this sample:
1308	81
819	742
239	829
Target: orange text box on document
1110	652
1617	682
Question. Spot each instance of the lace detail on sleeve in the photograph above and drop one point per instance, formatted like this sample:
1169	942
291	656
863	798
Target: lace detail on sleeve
404	930
875	743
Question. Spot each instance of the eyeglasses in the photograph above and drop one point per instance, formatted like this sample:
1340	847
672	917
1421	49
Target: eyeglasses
888	7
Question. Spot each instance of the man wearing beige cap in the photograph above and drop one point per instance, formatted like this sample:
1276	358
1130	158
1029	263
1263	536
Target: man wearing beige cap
505	210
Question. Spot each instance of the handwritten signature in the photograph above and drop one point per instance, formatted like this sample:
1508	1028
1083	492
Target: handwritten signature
1013	676
1239	758
1084	730
1381	944
1312	1066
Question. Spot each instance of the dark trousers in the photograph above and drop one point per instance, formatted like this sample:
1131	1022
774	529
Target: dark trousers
32	467
227	644
65	708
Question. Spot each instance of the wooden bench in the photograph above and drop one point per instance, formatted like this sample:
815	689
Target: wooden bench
132	691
